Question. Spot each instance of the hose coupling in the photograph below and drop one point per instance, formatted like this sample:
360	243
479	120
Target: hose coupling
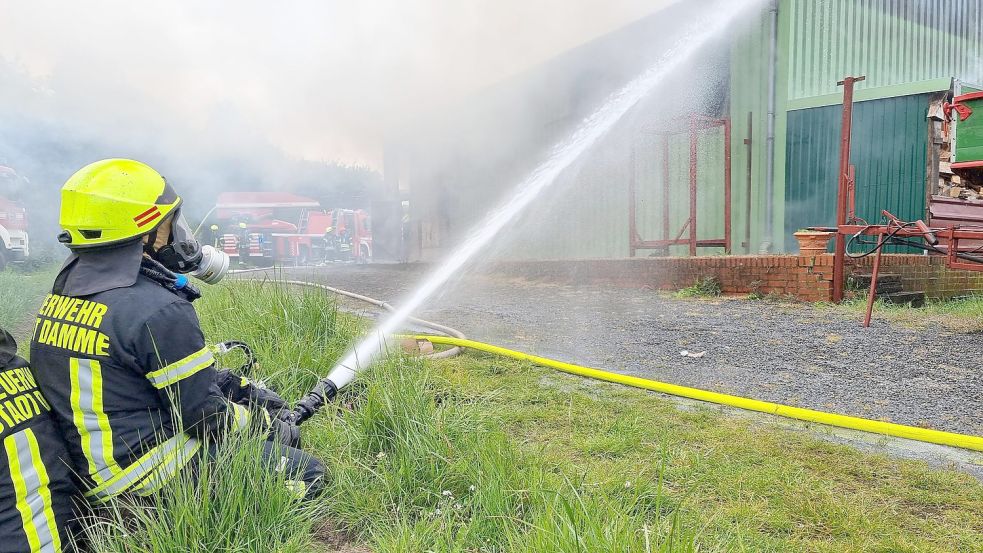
324	391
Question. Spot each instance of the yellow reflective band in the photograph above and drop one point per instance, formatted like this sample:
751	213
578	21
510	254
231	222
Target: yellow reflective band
297	487
182	369
106	434
138	473
241	416
31	488
44	491
170	467
91	420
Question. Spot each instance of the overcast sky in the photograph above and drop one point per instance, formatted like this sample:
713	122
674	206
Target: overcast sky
321	79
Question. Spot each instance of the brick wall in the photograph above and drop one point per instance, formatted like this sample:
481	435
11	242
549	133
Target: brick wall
924	274
808	278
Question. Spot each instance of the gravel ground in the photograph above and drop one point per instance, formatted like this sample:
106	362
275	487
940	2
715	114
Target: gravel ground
788	353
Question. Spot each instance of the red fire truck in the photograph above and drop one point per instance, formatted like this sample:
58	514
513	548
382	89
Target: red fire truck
14	241
263	228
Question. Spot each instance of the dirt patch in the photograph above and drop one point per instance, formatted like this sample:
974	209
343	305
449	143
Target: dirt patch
334	539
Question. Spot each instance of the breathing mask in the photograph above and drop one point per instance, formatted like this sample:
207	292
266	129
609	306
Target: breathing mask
182	253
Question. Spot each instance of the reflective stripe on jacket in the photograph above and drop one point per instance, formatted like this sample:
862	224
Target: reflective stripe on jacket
37	490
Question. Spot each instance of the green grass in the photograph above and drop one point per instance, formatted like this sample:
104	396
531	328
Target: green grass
706	287
960	314
20	298
481	454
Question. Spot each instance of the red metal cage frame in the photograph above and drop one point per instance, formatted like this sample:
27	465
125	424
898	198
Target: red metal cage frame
694	124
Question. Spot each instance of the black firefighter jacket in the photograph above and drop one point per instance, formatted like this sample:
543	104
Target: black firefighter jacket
130	381
38	492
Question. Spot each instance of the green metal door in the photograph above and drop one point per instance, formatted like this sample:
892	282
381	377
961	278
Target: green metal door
969	130
889	150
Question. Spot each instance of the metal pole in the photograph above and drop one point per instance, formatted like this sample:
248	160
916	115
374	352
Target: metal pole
692	186
665	189
747	212
872	295
727	198
632	232
839	253
770	136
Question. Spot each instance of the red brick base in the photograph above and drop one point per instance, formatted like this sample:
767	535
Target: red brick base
806	278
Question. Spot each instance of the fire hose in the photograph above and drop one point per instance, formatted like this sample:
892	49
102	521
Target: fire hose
964	441
325	390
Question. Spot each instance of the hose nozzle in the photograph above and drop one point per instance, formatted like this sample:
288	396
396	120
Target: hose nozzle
323	392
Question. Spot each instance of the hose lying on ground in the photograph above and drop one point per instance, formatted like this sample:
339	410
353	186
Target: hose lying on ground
378	303
458	341
964	441
384	305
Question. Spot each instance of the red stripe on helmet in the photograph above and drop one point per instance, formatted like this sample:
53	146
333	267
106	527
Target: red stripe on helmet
145	213
146	220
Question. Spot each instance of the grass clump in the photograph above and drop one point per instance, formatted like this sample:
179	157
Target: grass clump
231	503
705	287
960	314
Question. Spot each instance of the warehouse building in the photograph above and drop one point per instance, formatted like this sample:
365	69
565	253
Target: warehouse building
778	69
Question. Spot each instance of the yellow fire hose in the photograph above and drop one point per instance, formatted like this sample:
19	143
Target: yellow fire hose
843	421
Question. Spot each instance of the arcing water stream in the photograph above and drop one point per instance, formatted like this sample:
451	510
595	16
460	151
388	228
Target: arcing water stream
590	131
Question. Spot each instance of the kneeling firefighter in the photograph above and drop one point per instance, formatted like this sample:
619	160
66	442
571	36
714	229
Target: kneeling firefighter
38	496
118	350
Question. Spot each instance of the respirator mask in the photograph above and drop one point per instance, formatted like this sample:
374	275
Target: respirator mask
182	253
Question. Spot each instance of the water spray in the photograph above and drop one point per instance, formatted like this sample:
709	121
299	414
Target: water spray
561	157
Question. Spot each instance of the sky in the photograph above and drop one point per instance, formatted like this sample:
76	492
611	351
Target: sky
318	80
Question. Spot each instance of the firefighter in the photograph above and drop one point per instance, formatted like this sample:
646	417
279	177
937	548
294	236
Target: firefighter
118	350
38	495
216	237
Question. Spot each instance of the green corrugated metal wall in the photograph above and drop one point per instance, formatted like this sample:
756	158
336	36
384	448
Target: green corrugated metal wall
889	150
585	215
749	94
895	43
892	42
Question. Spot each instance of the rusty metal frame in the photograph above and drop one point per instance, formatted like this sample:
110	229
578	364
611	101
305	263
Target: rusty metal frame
694	124
846	185
896	228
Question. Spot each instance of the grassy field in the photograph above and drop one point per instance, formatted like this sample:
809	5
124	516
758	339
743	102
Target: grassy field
479	454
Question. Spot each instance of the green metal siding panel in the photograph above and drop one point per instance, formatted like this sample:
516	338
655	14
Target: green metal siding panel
892	42
889	150
969	133
904	47
585	215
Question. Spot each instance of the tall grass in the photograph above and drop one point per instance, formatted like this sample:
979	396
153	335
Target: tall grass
20	297
411	466
480	454
233	503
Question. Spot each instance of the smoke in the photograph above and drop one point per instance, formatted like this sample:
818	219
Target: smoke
318	80
255	94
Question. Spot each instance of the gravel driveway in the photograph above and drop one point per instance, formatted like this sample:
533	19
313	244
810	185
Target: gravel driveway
788	353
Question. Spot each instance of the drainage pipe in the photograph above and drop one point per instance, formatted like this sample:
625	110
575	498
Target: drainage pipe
964	441
766	244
